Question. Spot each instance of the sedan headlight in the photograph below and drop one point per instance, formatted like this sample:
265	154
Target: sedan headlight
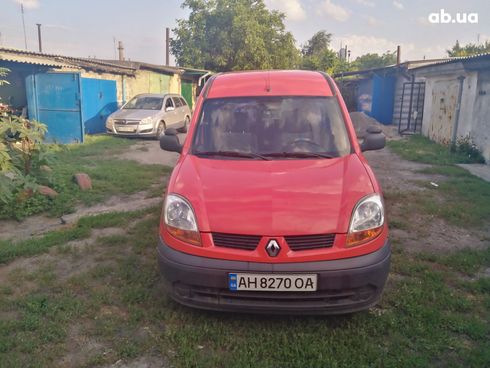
367	220
180	219
110	122
148	120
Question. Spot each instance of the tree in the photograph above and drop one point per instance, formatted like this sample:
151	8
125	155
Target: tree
469	49
224	35
370	61
317	44
317	54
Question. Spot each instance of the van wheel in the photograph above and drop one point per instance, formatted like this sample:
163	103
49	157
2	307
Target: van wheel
160	129
186	124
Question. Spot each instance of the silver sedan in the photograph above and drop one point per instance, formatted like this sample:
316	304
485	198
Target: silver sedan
150	114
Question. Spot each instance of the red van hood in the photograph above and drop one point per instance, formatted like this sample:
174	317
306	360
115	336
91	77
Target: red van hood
274	198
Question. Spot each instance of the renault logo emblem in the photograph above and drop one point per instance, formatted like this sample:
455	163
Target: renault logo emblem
273	248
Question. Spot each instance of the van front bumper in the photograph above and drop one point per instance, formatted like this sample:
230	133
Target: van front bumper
344	285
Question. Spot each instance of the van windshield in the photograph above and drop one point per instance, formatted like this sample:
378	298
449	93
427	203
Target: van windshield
271	128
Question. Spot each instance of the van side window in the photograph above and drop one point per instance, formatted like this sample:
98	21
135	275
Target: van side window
177	102
184	103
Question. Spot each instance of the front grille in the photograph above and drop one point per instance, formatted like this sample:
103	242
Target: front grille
126	122
248	242
305	242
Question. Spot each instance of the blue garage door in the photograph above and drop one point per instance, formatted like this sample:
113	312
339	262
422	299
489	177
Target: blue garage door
383	98
54	99
99	100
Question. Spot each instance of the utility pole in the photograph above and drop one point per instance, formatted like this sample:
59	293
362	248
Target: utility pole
167	46
39	38
23	24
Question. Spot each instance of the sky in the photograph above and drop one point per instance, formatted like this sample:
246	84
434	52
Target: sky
87	28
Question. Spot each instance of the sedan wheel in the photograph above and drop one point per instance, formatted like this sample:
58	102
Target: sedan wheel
186	124
160	129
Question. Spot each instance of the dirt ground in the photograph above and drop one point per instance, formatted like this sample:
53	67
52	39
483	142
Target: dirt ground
40	224
149	152
400	180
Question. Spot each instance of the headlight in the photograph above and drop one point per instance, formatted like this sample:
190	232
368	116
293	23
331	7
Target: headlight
110	122
147	120
180	219
367	220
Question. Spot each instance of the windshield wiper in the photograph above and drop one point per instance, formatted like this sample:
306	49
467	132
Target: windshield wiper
232	154
299	154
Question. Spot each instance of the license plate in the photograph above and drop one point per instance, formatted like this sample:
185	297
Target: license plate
125	129
272	282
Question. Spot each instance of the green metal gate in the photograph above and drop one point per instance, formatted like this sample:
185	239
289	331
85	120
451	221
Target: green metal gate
186	92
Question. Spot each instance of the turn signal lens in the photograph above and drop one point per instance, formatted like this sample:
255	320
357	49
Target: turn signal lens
367	220
361	237
187	236
180	220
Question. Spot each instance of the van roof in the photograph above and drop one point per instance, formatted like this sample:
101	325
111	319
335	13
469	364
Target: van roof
270	83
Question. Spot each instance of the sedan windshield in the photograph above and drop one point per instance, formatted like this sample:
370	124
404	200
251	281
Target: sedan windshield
271	127
144	103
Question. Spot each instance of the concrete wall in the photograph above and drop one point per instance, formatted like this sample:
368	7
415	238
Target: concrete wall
480	130
175	84
146	81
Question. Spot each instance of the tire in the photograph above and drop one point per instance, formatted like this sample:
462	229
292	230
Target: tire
186	124
160	129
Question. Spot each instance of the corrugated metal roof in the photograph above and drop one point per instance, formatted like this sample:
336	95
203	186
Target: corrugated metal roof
30	57
406	65
27	59
111	66
143	65
458	59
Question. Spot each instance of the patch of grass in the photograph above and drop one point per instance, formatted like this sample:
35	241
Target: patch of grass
422	149
425	318
463	200
467	260
10	250
110	176
446	170
41	322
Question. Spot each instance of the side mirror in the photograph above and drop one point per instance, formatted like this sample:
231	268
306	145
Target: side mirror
374	140
170	141
170	108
